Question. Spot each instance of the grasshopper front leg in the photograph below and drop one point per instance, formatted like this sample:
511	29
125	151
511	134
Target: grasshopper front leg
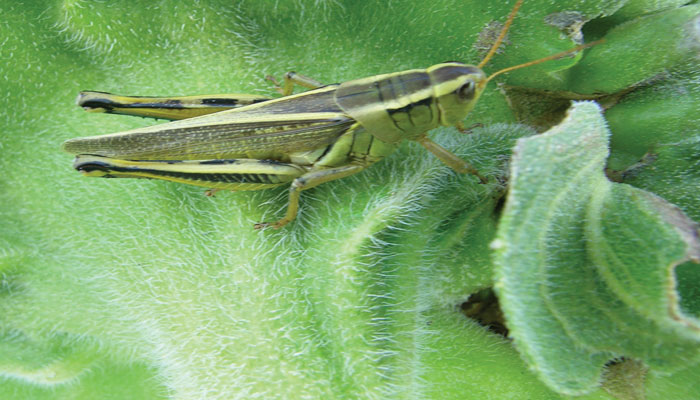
307	181
450	159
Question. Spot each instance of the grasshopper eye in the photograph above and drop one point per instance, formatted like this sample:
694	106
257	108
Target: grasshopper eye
466	91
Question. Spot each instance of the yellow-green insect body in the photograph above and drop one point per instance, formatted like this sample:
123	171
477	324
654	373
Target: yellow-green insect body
307	139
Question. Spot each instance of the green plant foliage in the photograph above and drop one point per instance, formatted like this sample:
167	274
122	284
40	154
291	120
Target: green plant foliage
144	289
597	280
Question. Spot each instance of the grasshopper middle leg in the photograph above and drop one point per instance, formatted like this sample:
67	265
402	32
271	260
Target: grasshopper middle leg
307	181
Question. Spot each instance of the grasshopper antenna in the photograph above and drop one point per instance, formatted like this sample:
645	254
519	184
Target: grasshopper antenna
502	35
541	60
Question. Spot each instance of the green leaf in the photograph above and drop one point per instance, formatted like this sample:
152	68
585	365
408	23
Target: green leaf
586	266
634	51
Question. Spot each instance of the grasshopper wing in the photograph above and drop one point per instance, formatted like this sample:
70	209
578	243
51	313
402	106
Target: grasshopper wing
268	130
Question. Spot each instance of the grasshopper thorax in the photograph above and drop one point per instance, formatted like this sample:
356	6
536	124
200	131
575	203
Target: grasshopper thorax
456	88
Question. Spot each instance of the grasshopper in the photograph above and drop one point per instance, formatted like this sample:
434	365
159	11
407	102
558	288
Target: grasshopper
240	142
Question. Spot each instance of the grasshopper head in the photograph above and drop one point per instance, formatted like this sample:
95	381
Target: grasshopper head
457	88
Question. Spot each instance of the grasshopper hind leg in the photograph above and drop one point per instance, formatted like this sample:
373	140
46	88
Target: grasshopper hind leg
233	174
170	108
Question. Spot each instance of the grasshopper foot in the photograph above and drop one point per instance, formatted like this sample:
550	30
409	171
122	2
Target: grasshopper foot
273	225
260	226
460	127
475	172
274	81
211	192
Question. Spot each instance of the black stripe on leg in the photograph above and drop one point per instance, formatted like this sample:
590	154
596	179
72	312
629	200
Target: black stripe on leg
207	176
